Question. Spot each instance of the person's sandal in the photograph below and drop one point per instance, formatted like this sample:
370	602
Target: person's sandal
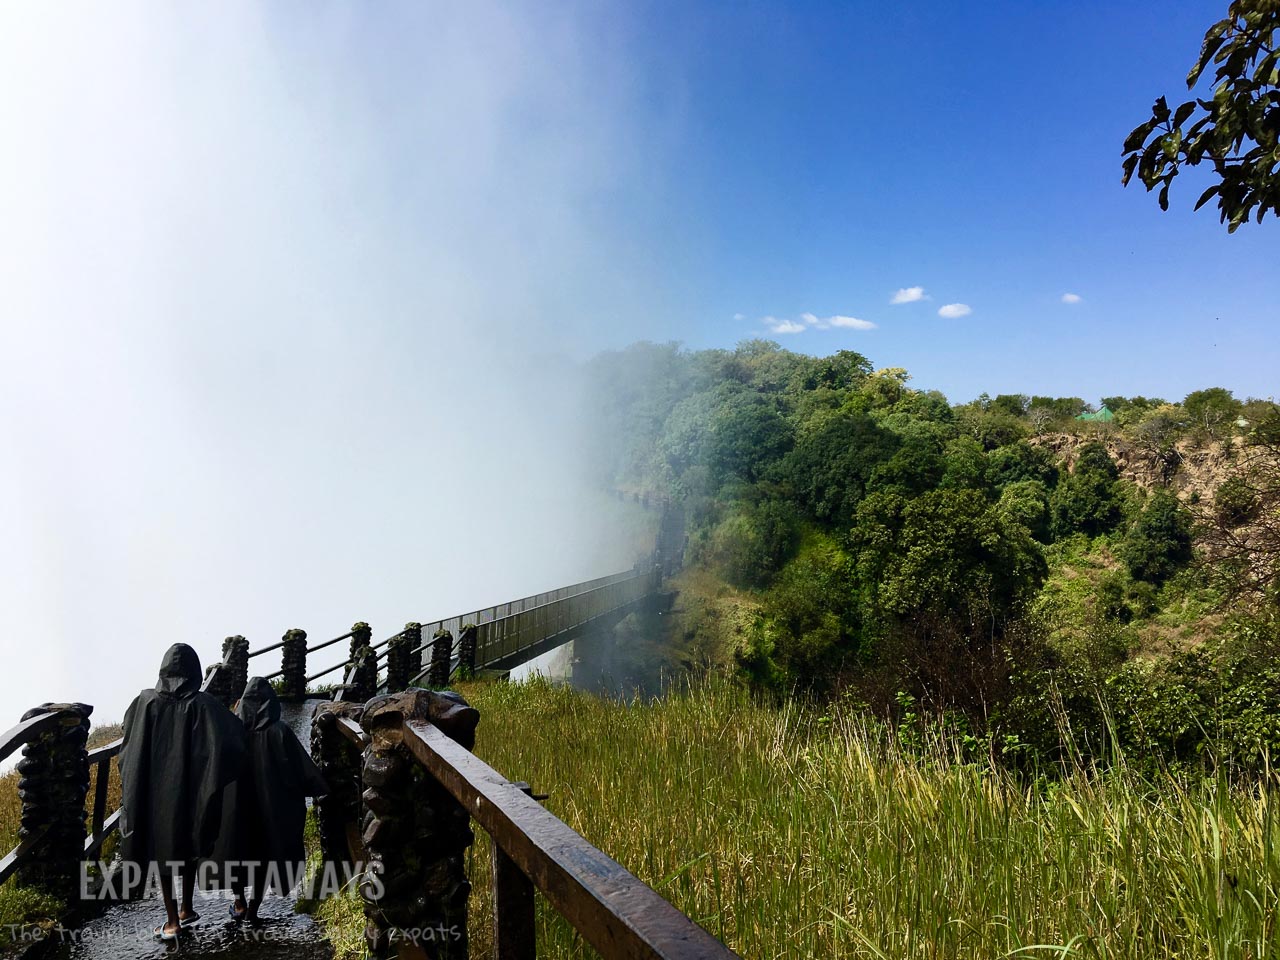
236	915
191	921
161	934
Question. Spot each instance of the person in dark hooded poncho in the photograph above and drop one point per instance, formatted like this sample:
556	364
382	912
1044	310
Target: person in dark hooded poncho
261	841
181	749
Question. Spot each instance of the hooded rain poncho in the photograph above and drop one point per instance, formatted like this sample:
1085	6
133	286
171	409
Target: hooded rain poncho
181	750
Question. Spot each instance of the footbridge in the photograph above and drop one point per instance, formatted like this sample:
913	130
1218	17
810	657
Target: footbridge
405	791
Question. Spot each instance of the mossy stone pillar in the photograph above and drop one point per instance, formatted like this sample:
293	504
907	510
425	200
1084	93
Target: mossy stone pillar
397	663
413	635
217	682
362	676
361	636
416	834
467	649
441	653
294	662
338	812
54	778
235	657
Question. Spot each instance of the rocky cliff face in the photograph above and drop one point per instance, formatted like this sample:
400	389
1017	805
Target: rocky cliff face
1194	471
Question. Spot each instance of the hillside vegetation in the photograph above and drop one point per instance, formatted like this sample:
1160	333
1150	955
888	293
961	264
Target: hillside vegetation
1030	575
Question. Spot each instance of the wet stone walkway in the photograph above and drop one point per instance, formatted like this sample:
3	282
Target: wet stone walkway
124	932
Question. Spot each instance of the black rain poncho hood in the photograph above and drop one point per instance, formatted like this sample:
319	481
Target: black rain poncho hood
181	750
259	707
266	809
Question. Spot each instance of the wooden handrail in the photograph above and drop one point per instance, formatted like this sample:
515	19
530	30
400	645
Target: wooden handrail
100	757
94	841
610	907
352	731
100	828
112	749
16	736
13	859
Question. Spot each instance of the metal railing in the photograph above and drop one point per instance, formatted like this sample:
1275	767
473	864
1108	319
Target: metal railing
513	633
506	629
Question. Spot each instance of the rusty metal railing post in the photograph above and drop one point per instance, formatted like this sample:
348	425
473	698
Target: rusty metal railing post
415	887
293	657
54	772
441	654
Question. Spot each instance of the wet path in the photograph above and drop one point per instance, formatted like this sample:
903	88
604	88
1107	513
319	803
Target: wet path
124	932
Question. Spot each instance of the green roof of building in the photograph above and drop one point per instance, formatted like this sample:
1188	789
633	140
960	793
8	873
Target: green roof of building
1103	413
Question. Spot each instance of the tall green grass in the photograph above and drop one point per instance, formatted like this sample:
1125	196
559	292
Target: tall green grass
789	833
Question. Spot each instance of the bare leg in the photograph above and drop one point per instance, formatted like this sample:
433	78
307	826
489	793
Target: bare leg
251	907
188	891
170	905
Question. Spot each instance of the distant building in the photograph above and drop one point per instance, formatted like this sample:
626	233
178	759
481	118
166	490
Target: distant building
1102	415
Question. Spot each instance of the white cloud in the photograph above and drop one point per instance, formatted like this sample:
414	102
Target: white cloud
852	323
809	320
739	316
1071	298
909	295
953	310
783	326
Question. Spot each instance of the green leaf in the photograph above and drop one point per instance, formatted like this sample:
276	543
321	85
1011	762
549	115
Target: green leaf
1164	196
1138	136
1213	39
1204	197
1130	162
1160	110
1180	115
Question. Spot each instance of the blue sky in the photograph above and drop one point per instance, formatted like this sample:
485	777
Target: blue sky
828	155
290	292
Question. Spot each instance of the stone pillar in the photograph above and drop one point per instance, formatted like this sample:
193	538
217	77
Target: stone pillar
217	683
397	663
235	657
441	653
416	834
293	658
339	812
413	634
467	649
361	636
54	772
362	683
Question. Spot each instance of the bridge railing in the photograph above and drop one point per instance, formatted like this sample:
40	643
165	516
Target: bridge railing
503	629
532	849
518	631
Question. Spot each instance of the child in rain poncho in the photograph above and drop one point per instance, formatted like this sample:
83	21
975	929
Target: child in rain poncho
265	808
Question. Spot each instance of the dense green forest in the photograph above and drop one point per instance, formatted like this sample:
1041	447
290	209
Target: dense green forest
1039	581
